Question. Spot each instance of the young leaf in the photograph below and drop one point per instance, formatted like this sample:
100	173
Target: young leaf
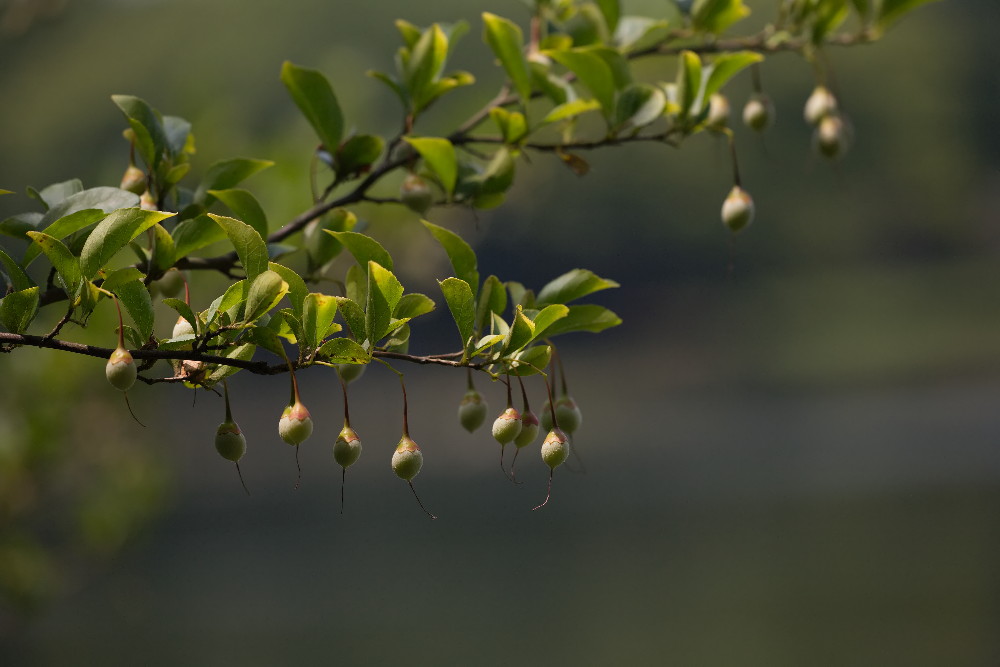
507	42
112	234
573	285
297	289
66	265
314	96
725	67
492	299
439	155
424	66
317	316
688	81
250	247
584	318
593	72
226	174
265	291
548	316
413	305
570	110
18	309
462	257
364	248
716	15
150	138
384	292
522	330
354	317
245	206
529	361
462	305
234	294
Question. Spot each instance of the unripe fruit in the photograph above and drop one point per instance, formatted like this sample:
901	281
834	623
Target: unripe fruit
507	426
295	424
737	210
568	414
555	448
147	202
121	369
182	328
830	137
171	283
718	112
820	104
472	410
529	430
230	442
407	459
347	449
351	372
134	180
547	416
758	112
416	193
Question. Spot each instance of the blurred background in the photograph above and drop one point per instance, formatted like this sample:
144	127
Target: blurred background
792	461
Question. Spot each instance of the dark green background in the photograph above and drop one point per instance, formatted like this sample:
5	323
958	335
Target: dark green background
792	462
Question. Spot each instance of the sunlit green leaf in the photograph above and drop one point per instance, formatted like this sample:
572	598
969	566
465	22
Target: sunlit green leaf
364	248
593	72
492	299
314	96
343	351
570	110
195	234
146	124
507	42
548	316
522	330
462	256
265	291
573	285
18	278
18	309
462	305
317	315
725	67
584	318
529	361
439	155
245	206
354	317
716	15
413	305
112	234
250	247
226	174
67	266
134	297
297	289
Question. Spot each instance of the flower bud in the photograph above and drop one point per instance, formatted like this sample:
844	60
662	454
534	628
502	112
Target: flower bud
529	430
121	370
416	193
568	414
134	180
347	449
555	448
758	112
820	104
718	112
831	137
472	410
295	424
737	209
507	426
407	459
230	442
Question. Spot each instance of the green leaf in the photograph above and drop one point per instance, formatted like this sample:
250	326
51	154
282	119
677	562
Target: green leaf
320	247
297	289
249	245
391	83
112	234
639	105
413	305
18	278
244	352
265	292
314	96
593	72
18	309
164	250
507	42
573	285
492	299
486	342
425	64
184	310
531	360
150	137
409	32
570	110
611	10
688	81
357	154
356	284
364	248
354	317
134	296
51	195
6	192
226	174
725	67
245	206
634	32
16	226
267	338
343	351
234	294
79	211
716	15
462	257
439	155
317	316
584	318
462	305
548	316
122	276
384	292
177	132
513	125
522	330
195	234
893	10
62	259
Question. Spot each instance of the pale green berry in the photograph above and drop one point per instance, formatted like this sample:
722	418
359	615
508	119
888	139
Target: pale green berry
347	449
351	372
718	112
230	442
830	137
737	209
568	414
407	459
121	370
416	193
758	112
134	180
472	410
171	283
295	424
555	448
547	416
821	103
507	426
529	430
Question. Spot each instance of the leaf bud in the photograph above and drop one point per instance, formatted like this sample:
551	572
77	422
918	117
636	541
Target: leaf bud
737	209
